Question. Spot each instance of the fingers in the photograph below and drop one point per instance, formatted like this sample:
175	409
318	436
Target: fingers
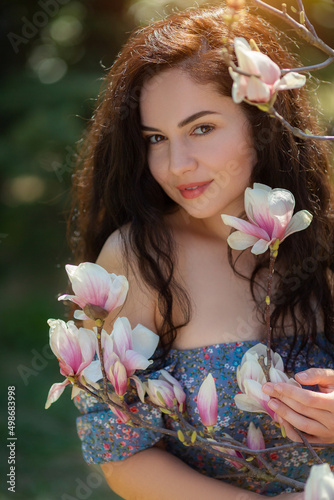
308	411
292	434
319	431
322	376
292	395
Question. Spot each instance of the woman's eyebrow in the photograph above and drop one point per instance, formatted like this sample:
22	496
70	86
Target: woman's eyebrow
184	122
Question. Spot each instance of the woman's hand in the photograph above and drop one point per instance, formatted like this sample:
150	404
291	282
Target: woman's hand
308	411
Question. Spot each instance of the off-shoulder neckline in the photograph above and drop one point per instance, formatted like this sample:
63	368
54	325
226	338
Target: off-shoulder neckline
216	346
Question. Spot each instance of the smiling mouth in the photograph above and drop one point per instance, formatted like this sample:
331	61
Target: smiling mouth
193	190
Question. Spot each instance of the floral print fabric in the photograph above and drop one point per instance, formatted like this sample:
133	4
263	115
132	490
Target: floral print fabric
105	438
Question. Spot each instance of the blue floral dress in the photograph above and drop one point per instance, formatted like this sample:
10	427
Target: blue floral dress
104	437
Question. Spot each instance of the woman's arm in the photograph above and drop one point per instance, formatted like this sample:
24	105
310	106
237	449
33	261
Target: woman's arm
310	412
155	474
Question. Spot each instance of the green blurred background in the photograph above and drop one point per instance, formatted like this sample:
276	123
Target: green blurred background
54	59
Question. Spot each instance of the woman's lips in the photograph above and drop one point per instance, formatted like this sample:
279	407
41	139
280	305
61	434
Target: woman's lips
194	189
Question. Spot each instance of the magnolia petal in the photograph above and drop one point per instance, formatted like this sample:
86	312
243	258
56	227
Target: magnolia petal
281	204
255	439
250	370
119	378
244	226
291	80
300	221
144	341
164	389
320	483
117	292
55	392
277	361
80	315
88	346
140	386
257	350
177	388
73	298
256	208
294	382
65	345
245	403
255	62
269	70
93	371
239	87
257	91
207	402
75	391
134	361
259	185
107	345
277	376
121	335
90	282
260	246
245	57
124	418
240	241
254	391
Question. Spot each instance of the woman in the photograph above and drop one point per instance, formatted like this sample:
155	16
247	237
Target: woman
167	153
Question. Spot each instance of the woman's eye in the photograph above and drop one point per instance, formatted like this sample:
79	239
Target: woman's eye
155	139
203	129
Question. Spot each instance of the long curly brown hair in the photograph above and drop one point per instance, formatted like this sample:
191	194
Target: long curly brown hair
113	185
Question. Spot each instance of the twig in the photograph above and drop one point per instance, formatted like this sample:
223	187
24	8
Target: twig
309	68
296	131
308	445
308	24
101	354
302	30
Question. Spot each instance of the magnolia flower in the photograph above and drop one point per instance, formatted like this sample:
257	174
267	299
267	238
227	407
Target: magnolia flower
251	378
120	414
255	439
229	451
207	402
124	351
75	349
320	483
261	87
270	214
96	291
165	390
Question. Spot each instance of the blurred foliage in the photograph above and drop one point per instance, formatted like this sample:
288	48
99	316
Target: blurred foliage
54	59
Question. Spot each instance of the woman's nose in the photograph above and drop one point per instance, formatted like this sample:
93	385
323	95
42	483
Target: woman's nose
181	158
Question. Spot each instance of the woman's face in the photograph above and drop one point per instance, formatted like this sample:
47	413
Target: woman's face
199	145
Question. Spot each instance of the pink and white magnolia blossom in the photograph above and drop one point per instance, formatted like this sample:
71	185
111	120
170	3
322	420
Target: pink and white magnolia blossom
165	390
230	451
251	378
75	349
320	483
270	214
265	79
255	439
207	402
94	286
124	351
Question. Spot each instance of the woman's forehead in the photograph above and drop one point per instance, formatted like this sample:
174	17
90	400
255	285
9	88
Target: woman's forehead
175	92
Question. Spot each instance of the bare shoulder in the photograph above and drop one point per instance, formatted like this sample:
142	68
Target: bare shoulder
140	304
